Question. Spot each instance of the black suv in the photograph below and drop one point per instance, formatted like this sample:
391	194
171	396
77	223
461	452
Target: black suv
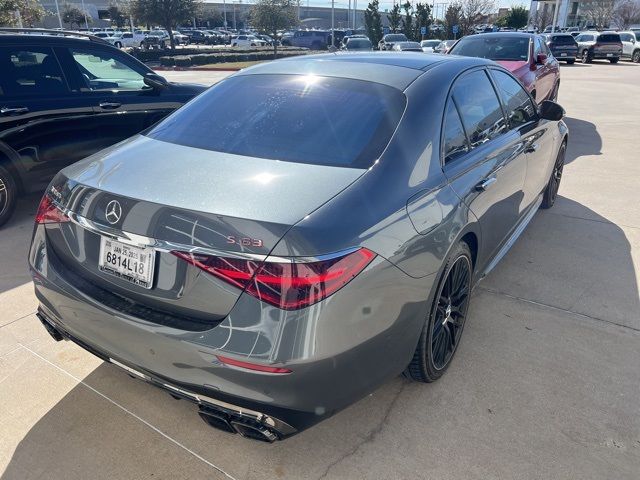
64	96
563	46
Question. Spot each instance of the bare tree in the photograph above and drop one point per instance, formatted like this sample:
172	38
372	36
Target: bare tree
473	11
599	12
542	18
626	13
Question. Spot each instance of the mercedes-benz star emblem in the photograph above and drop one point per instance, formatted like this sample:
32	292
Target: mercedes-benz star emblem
113	212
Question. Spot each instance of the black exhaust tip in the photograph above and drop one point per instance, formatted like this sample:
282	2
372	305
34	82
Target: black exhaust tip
255	432
216	420
55	334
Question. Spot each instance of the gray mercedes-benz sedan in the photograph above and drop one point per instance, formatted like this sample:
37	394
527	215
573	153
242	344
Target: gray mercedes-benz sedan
298	234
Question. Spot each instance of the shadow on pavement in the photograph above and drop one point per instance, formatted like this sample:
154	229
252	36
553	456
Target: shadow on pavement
509	385
584	139
574	259
15	236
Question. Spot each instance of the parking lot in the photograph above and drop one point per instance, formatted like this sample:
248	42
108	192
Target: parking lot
545	385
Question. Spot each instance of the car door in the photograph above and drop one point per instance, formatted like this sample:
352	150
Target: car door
628	43
544	70
113	83
44	124
538	140
484	160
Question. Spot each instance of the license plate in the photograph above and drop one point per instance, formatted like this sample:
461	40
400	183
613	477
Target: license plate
609	54
563	54
130	263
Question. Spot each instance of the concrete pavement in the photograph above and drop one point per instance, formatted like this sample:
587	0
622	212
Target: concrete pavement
545	384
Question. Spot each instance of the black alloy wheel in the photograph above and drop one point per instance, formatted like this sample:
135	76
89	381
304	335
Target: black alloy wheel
451	312
442	331
8	194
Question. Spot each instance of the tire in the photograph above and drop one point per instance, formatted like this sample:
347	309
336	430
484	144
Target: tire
614	60
551	191
570	62
442	330
635	57
8	195
586	58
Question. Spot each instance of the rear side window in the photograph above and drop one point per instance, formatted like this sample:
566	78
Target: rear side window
627	37
30	71
609	38
294	118
520	109
453	137
479	108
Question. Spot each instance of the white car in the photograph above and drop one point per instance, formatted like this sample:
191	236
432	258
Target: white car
631	45
429	45
126	39
247	41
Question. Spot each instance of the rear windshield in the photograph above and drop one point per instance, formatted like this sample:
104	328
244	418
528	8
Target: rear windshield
295	118
563	39
395	38
359	43
609	38
493	47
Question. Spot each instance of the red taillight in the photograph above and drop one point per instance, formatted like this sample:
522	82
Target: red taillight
251	366
49	213
288	285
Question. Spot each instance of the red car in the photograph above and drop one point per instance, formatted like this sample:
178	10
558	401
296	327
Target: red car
526	55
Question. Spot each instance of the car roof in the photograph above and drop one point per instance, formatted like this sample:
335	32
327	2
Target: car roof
48	37
396	69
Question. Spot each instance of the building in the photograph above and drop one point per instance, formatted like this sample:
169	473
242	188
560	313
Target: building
235	12
571	13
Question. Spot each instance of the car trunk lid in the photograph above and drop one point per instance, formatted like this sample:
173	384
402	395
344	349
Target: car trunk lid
177	198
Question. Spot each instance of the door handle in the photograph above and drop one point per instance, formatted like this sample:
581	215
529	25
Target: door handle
531	148
13	111
486	183
109	105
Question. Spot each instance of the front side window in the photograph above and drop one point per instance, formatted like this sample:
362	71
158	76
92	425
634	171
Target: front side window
30	71
519	107
453	136
295	118
479	108
105	71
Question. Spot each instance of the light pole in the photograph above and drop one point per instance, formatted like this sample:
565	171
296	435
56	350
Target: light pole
84	12
59	17
224	13
333	33
555	16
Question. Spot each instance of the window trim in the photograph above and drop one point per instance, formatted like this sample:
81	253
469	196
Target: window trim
117	55
492	69
443	158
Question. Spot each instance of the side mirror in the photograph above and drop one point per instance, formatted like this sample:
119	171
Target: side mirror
541	59
155	81
551	111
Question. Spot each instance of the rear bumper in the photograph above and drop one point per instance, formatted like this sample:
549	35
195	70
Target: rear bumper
338	350
227	416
